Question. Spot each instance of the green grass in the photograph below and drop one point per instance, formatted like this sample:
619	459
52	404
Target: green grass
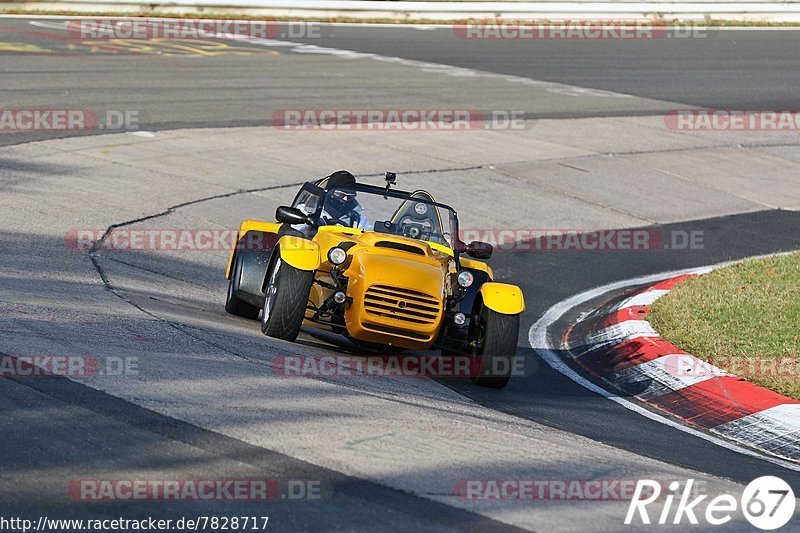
744	318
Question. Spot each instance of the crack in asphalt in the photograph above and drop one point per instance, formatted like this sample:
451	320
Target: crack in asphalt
186	329
182	328
93	251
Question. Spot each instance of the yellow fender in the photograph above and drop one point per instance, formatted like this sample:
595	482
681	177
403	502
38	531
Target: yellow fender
503	298
477	265
300	253
244	227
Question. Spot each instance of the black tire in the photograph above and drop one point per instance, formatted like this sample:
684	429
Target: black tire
233	304
286	297
496	334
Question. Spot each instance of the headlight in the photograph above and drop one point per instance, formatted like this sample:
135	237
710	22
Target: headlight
337	256
465	279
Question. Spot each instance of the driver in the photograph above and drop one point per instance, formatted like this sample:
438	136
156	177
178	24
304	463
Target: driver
341	206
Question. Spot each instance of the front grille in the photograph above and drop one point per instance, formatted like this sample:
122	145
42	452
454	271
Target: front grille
407	305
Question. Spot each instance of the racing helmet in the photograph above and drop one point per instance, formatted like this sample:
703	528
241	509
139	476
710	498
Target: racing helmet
341	197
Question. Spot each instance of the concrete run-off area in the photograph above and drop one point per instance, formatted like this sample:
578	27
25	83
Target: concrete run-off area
197	364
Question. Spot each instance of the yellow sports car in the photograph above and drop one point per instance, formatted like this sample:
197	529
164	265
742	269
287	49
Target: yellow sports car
383	267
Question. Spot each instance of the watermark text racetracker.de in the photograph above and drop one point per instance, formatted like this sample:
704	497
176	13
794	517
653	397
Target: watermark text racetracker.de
397	119
732	120
600	489
395	366
53	119
145	29
69	366
577	29
503	239
161	239
588	240
167	490
686	365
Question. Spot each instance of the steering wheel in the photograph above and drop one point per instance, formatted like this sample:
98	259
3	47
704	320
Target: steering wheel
331	221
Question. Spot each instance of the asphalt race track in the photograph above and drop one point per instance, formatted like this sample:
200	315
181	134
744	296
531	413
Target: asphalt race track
726	69
204	152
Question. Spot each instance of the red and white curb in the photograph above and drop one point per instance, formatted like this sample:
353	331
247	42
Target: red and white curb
617	346
622	349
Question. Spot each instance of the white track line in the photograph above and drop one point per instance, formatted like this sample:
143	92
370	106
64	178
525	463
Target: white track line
540	342
425	66
731	26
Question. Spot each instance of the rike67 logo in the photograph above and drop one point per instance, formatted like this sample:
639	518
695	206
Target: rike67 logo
767	502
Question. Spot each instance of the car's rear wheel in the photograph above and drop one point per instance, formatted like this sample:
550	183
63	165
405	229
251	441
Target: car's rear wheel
286	297
233	304
495	339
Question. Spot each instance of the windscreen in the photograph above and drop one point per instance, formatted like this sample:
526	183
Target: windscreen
416	216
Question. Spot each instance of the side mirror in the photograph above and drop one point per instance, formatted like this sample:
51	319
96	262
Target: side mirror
479	250
290	215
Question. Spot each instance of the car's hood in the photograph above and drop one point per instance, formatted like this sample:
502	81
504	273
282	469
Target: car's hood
380	259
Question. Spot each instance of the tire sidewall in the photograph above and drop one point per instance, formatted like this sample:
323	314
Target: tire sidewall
289	302
273	264
487	359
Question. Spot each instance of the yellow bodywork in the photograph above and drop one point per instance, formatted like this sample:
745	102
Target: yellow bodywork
398	285
397	295
300	253
244	227
503	298
477	265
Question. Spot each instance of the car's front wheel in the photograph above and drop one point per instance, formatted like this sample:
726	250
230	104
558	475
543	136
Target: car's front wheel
286	296
494	336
